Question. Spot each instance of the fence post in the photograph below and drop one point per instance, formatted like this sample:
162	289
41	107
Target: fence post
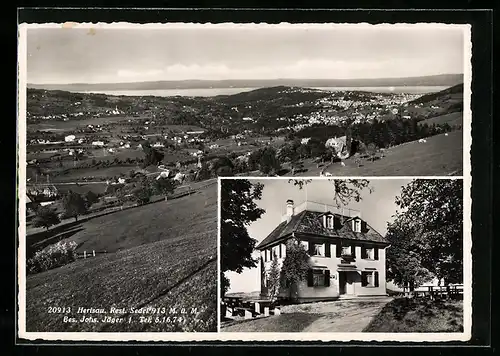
93	253
84	254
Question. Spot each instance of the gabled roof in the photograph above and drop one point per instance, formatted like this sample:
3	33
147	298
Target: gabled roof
311	222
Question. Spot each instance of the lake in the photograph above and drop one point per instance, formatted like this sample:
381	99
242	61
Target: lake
206	92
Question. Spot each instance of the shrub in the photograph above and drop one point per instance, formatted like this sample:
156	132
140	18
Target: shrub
53	256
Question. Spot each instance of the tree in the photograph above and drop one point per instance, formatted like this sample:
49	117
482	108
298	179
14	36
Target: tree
238	209
203	173
143	190
404	263
372	150
74	205
295	266
91	198
45	217
152	156
268	162
164	186
344	190
432	217
274	279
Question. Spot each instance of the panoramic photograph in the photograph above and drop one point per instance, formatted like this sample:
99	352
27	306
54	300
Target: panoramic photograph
129	127
342	255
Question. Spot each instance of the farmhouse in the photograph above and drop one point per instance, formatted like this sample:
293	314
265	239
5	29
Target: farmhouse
346	255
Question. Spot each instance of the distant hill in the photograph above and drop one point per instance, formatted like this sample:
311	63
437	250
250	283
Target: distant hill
440	106
433	80
454	91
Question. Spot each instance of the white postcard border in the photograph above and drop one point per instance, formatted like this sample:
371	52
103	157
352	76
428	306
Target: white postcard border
228	336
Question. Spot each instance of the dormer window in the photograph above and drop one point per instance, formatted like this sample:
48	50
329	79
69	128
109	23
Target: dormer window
329	221
356	225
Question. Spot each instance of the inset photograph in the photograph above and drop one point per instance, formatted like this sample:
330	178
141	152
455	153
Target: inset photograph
342	255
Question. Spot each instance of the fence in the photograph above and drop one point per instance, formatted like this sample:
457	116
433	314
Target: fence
435	292
89	254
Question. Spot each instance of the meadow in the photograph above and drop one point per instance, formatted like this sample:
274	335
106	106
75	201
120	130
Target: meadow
161	254
440	155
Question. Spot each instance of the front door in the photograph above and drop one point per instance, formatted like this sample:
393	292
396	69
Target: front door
342	282
346	282
349	283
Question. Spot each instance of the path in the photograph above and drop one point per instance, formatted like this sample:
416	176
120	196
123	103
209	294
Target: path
337	316
347	316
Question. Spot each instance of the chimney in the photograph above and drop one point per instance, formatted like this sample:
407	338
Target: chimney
290	210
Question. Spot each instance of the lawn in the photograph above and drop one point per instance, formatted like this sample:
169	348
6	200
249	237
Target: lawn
159	255
419	315
293	322
452	119
100	173
440	156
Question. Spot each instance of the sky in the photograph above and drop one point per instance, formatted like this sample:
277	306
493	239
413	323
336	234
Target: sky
108	55
376	208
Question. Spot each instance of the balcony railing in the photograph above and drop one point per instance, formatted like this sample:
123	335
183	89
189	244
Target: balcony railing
347	258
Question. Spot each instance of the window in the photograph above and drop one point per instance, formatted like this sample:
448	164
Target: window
346	250
369	253
274	252
356	225
329	222
318	278
305	244
318	250
369	279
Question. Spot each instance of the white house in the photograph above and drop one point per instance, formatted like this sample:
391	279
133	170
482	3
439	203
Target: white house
69	138
346	255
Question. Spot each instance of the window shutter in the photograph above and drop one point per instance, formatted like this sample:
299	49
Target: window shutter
327	278
375	253
310	280
376	278
279	247
363	252
364	281
363	227
353	250
311	249
327	250
339	249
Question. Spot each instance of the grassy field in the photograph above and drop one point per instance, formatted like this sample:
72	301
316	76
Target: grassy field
159	255
452	119
440	156
418	315
99	173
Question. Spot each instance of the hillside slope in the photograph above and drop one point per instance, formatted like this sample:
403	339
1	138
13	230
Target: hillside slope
441	155
165	256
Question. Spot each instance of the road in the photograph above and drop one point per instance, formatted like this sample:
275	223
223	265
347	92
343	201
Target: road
337	316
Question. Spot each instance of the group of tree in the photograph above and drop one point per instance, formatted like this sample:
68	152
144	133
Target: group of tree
264	160
426	236
73	204
144	188
152	155
382	133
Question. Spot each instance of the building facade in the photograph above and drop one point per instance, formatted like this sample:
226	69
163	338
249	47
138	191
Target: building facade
346	255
